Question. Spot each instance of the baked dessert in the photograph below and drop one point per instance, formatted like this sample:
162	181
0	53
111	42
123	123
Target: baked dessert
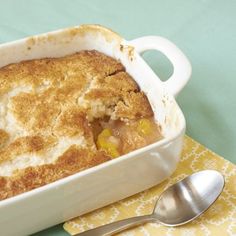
59	116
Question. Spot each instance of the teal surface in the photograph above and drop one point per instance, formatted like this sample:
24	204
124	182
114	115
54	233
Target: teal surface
204	30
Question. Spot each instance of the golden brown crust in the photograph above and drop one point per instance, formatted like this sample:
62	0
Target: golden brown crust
72	161
72	121
27	144
133	106
111	86
55	70
4	136
53	99
109	93
35	113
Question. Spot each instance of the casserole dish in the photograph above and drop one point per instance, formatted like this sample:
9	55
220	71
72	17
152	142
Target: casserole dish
130	173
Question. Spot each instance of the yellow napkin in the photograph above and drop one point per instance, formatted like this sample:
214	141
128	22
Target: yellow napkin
220	219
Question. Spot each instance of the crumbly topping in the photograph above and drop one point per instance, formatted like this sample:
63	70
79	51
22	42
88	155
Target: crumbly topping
46	100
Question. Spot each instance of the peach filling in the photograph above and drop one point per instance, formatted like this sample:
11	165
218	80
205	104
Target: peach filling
118	137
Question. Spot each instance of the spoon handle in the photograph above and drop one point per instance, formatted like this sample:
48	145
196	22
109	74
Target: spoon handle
118	226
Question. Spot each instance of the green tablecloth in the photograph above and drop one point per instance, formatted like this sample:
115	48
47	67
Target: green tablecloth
205	31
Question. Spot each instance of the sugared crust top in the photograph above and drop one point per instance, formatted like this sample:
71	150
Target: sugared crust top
72	161
47	100
4	136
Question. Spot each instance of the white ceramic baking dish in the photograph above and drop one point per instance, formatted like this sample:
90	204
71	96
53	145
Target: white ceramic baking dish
114	180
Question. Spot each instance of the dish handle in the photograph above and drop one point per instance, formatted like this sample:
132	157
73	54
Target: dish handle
182	67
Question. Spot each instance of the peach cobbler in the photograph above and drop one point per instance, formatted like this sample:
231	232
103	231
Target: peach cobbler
59	116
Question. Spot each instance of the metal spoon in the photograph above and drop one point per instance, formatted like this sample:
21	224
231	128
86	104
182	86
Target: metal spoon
178	205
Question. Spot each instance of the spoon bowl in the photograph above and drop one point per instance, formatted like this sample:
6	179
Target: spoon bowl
189	198
178	205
